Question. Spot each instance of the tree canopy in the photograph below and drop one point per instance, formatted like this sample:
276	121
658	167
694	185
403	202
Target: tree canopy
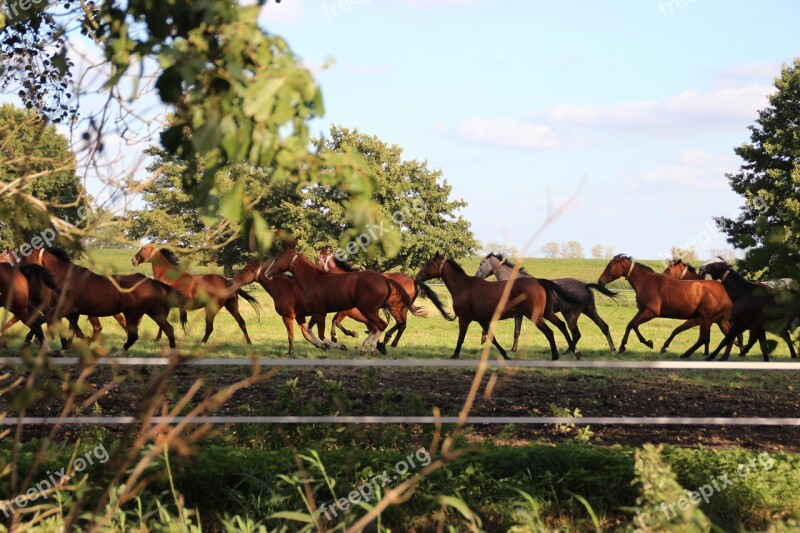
769	182
419	217
39	161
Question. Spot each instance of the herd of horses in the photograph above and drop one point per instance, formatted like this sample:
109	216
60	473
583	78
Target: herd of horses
47	287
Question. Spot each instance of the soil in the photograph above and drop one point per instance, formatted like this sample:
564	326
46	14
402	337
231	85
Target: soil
516	393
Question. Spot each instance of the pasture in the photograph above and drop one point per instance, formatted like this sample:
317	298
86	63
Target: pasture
593	462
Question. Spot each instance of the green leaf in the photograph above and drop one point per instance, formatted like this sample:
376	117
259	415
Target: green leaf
293	515
231	205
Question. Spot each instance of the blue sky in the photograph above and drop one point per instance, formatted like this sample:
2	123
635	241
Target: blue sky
517	101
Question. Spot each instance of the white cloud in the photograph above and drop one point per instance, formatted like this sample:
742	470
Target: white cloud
692	169
510	132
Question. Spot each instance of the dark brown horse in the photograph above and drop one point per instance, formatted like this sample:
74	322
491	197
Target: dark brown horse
394	306
475	300
658	295
677	269
25	291
289	301
97	327
84	292
325	293
755	309
211	292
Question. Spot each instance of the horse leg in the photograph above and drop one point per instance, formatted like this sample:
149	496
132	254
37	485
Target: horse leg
232	305
702	340
548	334
210	315
594	316
319	320
376	325
787	337
641	316
132	328
571	317
727	342
288	322
97	328
160	318
463	325
552	317
485	326
689	324
762	341
120	318
517	330
308	332
400	323
751	341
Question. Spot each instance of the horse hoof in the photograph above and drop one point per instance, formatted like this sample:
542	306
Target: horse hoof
342	347
621	350
663	350
381	348
649	344
578	355
454	356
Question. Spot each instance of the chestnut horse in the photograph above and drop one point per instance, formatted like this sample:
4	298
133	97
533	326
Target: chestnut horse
679	270
325	292
84	292
395	307
211	292
754	310
289	301
475	300
658	295
25	293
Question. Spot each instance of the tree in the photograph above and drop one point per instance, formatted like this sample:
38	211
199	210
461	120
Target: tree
768	227
35	154
508	250
419	216
688	254
600	251
572	250
551	250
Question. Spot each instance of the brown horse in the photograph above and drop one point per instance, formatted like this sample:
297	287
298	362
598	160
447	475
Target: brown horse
325	292
84	292
394	306
211	292
97	327
289	301
658	295
475	300
25	293
679	270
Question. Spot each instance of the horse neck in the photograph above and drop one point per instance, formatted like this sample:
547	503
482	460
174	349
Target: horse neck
161	267
639	276
60	269
738	283
305	269
503	272
333	268
452	278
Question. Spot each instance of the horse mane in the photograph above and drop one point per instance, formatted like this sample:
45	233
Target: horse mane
455	265
170	256
504	261
60	253
691	269
344	265
647	268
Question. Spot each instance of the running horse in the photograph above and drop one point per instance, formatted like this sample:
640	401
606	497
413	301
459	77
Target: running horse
755	309
475	300
679	270
501	268
97	327
84	292
211	292
290	303
658	295
394	306
324	292
26	293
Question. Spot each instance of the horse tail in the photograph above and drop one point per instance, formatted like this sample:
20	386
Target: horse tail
174	298
602	290
247	297
38	274
393	285
553	287
431	295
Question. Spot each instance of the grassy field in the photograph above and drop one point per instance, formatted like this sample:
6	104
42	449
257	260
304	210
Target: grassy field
431	337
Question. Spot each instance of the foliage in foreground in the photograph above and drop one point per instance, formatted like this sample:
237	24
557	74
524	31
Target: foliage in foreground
535	487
